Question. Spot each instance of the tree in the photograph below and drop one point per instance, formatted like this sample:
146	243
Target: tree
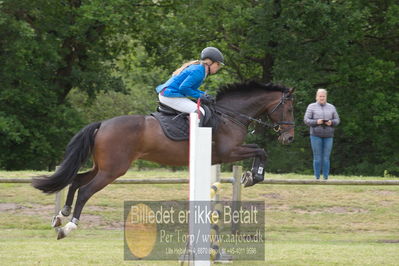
367	81
348	47
98	47
47	49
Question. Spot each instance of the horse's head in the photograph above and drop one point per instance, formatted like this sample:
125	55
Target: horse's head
252	99
281	113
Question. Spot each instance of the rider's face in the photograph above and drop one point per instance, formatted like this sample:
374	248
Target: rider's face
214	67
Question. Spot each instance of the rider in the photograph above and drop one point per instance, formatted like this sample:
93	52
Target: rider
186	80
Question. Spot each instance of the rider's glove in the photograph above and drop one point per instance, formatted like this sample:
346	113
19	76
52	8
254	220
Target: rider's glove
207	99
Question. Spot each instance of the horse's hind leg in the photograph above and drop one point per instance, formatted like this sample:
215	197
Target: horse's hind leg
101	180
80	180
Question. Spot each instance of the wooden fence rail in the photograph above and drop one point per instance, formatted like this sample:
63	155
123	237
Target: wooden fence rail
165	180
158	180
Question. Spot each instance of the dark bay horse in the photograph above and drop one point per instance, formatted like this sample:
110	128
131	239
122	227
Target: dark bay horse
115	143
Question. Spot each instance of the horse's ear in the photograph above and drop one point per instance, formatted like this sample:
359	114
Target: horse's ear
291	91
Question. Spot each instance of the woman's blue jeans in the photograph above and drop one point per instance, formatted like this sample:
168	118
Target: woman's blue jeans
321	148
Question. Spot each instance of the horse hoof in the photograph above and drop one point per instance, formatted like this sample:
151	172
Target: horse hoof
60	234
56	222
247	179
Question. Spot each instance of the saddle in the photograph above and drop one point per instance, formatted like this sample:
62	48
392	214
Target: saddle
175	124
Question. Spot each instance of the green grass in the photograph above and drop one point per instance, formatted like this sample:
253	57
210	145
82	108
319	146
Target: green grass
305	225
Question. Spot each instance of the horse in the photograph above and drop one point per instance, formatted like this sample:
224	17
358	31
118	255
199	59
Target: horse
115	143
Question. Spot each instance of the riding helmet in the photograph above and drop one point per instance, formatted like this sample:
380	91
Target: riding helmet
212	53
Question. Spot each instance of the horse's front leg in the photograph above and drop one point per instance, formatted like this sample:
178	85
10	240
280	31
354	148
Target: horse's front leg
243	152
257	173
247	151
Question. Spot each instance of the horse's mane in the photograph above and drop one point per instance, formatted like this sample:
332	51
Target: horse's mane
247	86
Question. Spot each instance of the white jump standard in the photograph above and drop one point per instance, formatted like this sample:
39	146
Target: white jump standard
200	183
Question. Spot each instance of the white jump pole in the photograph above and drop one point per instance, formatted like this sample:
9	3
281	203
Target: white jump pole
200	183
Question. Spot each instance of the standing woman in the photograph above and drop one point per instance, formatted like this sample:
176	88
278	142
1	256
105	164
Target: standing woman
322	118
186	80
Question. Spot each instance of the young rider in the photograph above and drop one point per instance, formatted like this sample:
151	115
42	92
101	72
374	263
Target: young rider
186	80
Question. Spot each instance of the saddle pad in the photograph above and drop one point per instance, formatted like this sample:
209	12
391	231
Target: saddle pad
175	127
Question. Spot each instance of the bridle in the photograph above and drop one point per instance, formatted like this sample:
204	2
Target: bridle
276	126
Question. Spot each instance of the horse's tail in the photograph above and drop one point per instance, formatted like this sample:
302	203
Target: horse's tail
77	152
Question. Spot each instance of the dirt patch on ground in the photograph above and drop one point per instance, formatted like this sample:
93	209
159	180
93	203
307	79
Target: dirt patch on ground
46	212
31	209
385	192
389	241
333	209
89	220
277	207
271	195
8	206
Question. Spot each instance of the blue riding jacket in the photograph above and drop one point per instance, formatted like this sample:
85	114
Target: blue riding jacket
185	84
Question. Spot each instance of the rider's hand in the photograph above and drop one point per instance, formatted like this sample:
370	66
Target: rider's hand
320	121
207	99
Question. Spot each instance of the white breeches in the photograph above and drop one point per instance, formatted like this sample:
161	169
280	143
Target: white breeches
180	104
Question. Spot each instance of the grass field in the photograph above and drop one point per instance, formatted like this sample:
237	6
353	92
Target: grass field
305	225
